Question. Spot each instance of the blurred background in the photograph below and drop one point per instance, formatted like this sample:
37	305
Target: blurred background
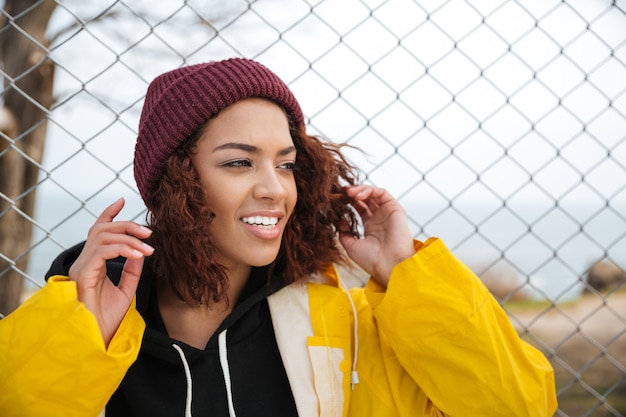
500	125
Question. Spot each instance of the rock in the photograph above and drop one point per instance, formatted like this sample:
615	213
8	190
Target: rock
603	275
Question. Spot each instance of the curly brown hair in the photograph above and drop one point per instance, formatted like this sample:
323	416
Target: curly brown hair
185	255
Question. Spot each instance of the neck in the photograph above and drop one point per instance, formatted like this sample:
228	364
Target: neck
196	324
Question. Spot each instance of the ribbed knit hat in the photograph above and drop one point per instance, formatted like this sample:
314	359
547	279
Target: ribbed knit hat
178	102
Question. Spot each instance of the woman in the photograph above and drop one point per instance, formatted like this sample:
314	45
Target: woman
228	302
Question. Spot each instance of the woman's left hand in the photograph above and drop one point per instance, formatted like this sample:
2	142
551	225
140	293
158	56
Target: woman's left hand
387	239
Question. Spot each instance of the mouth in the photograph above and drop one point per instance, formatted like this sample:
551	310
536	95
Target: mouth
261	221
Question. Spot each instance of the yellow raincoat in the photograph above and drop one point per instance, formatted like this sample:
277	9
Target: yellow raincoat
434	343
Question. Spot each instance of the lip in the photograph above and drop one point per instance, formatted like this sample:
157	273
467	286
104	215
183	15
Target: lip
264	232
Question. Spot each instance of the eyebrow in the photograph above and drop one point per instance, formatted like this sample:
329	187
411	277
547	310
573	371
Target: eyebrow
250	148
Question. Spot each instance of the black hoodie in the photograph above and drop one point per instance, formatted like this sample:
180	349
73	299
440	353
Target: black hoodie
157	383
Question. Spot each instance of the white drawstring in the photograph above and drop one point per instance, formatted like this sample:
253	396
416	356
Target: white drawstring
188	377
223	356
223	353
354	375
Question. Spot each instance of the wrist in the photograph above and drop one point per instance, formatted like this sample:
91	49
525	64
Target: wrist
383	273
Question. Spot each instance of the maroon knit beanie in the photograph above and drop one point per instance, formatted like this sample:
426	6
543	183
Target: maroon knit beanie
178	102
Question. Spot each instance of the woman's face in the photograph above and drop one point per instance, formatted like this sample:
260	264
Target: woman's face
245	159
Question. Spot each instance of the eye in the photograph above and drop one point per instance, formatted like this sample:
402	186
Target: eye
238	163
289	166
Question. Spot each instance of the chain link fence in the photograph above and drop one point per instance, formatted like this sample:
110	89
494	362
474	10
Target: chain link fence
500	125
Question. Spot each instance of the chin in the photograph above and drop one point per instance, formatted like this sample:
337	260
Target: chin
262	259
263	262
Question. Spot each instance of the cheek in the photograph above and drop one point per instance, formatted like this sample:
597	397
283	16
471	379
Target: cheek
293	193
214	198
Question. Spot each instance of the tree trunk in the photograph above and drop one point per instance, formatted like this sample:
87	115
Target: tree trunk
27	96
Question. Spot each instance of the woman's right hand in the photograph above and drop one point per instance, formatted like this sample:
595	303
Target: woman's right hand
108	240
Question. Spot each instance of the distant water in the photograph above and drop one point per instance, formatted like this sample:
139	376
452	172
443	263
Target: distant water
552	258
63	221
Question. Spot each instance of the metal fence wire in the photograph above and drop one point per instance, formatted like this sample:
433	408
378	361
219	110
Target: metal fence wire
500	125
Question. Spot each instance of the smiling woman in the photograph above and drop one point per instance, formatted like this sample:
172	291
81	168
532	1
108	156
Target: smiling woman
228	303
245	159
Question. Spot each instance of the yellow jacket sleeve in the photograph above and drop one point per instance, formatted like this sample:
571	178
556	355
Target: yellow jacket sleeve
456	342
53	361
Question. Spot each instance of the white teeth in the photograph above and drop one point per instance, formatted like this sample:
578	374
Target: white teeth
261	220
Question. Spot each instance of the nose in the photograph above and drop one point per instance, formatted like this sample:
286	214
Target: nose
271	183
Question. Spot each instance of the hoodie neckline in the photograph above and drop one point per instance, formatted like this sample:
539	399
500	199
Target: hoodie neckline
256	291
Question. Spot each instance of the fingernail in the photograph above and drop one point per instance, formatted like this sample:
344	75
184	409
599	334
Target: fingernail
148	248
144	229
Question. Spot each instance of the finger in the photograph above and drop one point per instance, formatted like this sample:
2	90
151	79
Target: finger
347	241
130	276
371	203
111	211
129	248
366	201
344	227
376	198
359	193
356	190
368	194
364	192
121	228
92	262
363	210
